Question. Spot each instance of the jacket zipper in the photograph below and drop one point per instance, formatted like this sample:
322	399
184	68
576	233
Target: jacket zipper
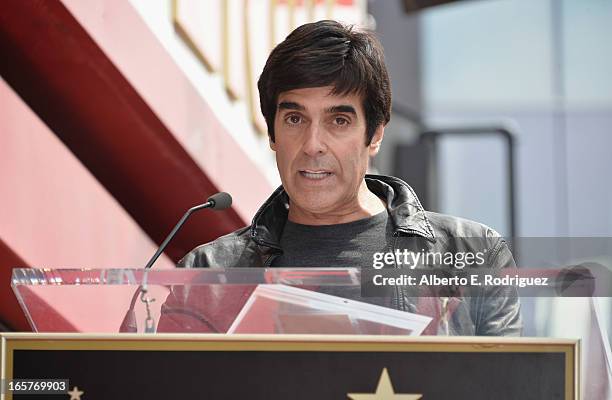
399	293
268	262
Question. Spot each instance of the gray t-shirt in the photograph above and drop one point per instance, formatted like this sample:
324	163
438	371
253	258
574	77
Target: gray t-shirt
335	246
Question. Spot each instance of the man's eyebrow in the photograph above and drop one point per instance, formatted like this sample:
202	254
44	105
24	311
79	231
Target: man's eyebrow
289	105
343	108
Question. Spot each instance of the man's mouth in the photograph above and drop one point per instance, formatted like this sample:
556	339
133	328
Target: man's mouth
316	175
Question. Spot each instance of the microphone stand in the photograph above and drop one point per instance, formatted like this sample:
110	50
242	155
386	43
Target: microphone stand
219	201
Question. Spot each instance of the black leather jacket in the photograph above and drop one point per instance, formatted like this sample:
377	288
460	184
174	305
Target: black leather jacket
489	311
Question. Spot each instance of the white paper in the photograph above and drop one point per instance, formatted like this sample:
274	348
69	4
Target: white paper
325	304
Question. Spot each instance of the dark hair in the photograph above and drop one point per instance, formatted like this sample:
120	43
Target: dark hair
327	53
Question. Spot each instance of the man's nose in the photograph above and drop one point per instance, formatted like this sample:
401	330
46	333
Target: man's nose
314	141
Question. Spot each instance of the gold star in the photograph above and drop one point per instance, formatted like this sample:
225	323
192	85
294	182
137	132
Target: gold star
75	394
384	391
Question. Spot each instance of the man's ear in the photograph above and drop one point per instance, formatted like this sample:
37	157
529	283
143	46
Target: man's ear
374	146
272	144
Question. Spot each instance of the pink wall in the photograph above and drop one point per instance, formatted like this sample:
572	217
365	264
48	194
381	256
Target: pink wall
117	28
53	212
119	105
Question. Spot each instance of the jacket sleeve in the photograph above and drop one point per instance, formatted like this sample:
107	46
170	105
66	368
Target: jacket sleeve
499	309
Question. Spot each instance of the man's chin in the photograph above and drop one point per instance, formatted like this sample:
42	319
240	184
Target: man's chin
314	205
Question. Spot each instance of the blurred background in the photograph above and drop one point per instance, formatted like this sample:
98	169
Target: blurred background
117	116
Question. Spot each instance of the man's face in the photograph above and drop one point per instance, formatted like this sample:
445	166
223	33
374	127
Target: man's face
320	149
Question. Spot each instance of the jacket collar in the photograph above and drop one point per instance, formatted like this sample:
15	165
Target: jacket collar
405	211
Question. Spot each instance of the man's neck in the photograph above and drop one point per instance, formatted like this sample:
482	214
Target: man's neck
365	205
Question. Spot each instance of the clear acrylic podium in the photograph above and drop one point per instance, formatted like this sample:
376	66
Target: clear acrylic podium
299	322
236	300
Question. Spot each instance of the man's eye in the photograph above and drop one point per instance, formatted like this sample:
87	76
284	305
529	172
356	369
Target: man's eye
293	119
340	121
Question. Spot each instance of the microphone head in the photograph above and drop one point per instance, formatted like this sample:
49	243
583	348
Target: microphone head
220	201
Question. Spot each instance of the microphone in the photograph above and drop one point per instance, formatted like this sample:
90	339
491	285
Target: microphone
219	201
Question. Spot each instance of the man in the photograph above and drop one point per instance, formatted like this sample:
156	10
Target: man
326	98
